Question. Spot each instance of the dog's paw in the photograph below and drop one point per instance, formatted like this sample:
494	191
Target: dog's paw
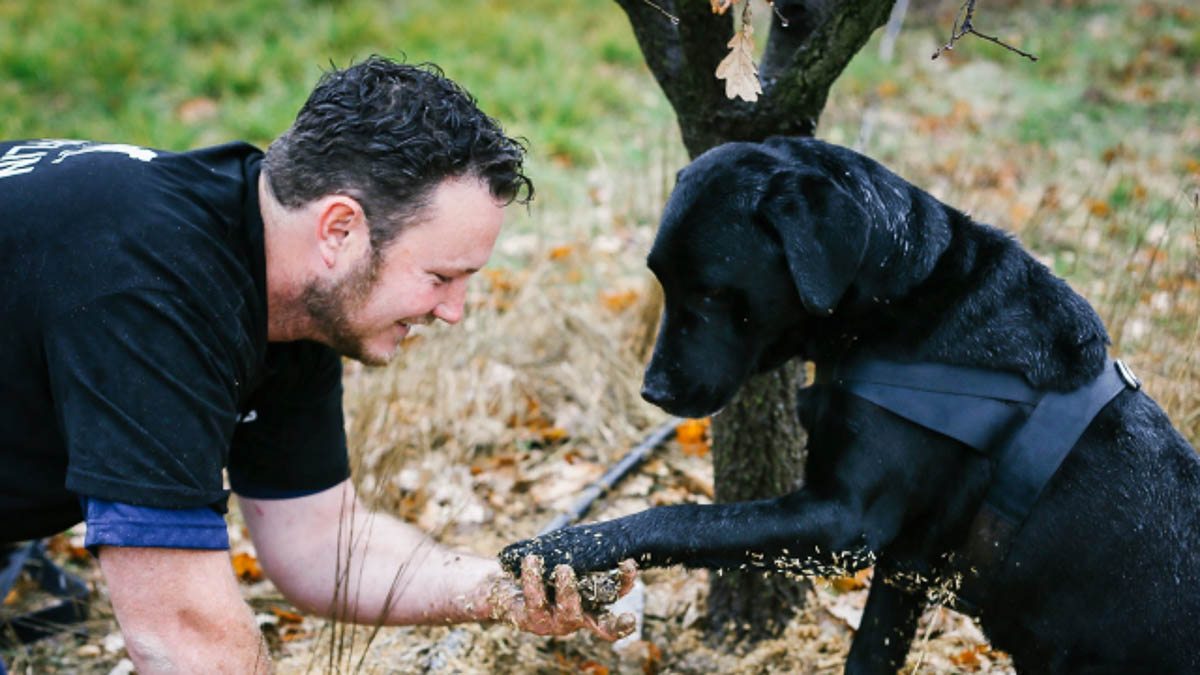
584	548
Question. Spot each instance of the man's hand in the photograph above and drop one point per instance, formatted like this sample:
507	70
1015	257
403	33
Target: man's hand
528	606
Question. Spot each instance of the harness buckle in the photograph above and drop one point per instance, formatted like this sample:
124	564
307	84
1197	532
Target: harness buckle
1127	374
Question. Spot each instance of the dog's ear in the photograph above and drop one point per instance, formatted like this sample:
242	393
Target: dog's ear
823	230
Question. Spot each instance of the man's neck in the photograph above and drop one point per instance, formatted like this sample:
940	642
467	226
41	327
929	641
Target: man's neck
286	318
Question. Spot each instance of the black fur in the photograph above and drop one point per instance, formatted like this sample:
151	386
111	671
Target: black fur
795	247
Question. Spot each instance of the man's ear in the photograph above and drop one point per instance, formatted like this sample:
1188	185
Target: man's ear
823	230
341	227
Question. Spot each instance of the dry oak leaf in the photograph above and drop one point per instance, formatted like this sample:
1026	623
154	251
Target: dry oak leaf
738	69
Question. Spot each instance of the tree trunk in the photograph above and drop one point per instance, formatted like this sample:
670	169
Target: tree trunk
758	451
757	441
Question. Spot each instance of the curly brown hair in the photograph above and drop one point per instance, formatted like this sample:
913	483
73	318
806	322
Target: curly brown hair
387	134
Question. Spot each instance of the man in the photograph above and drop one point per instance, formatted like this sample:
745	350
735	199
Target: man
173	315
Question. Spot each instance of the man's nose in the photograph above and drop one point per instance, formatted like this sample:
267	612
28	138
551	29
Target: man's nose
450	309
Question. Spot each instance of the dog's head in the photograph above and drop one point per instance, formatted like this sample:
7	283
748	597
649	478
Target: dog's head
758	243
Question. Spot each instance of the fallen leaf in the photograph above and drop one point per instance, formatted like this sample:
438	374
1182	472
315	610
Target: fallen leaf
692	431
12	597
553	434
1098	207
560	252
618	301
593	668
653	659
692	436
291	633
738	69
854	583
970	657
197	109
286	616
697	481
245	566
1018	213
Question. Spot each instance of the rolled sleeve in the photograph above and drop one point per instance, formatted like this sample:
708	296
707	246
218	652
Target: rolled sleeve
120	524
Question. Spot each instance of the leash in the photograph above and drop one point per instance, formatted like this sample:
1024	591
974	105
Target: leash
1028	431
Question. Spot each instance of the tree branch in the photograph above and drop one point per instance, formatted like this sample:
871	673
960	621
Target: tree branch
682	43
965	27
804	67
793	22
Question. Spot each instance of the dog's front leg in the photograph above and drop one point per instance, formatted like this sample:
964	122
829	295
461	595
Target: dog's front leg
886	631
797	532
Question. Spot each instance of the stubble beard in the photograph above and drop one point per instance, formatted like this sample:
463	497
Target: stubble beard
331	304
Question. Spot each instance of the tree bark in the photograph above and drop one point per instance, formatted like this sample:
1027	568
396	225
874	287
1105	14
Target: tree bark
758	451
757	440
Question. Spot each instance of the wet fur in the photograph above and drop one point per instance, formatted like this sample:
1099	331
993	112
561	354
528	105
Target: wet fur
797	248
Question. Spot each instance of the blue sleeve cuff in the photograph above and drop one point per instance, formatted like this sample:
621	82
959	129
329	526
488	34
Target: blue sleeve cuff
120	524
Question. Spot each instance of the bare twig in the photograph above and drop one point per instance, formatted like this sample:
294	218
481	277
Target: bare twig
783	21
963	26
671	17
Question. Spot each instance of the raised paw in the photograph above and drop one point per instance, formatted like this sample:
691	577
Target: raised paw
586	548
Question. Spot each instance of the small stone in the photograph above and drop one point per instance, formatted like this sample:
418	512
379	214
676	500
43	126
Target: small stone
88	651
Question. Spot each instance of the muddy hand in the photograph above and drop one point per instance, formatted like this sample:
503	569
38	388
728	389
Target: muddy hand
564	610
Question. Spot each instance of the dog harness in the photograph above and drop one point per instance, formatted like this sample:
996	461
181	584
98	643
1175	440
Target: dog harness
1028	431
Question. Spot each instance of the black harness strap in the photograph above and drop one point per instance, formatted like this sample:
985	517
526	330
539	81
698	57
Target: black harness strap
1028	432
971	405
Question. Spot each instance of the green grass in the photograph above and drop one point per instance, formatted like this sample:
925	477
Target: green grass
553	72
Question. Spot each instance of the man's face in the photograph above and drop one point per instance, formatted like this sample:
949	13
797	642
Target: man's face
419	276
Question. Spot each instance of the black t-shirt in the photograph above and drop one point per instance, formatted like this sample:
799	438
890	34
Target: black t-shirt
134	362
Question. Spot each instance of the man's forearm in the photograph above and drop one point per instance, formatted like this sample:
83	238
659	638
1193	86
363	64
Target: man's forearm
335	559
181	611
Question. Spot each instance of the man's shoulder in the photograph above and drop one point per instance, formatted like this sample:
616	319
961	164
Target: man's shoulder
100	162
110	217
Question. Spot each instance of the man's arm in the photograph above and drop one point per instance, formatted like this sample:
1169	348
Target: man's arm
329	555
180	610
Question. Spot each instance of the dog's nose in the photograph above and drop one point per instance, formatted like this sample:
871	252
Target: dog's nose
653	394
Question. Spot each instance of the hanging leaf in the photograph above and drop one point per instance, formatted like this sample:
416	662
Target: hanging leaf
738	69
721	6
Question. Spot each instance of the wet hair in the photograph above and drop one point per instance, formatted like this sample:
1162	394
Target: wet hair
387	134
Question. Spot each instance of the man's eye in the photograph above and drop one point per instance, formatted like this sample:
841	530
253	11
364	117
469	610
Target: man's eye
443	279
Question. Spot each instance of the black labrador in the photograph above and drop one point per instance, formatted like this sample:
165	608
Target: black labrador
798	248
